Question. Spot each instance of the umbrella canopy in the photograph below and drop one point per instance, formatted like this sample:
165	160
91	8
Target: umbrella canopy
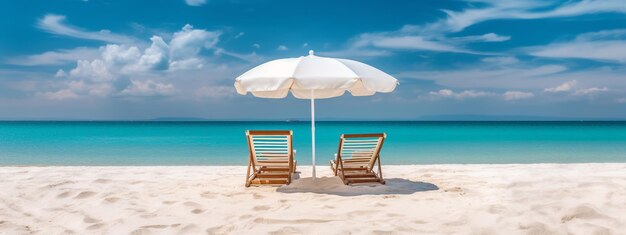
313	77
328	77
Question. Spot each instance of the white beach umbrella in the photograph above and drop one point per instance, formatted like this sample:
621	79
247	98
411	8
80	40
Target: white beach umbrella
313	77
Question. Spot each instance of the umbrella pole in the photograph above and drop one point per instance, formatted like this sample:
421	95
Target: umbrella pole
313	131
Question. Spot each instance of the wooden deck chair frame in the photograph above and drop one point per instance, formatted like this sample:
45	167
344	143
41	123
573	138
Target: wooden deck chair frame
359	168
271	157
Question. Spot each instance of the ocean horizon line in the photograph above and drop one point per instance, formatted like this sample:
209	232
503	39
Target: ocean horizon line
420	119
306	121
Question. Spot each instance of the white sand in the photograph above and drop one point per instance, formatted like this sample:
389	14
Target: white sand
440	199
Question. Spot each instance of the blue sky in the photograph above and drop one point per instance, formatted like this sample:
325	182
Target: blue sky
146	59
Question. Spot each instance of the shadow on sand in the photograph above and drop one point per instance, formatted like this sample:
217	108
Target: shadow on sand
334	186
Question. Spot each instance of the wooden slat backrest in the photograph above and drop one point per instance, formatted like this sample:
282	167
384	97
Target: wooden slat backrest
361	148
270	145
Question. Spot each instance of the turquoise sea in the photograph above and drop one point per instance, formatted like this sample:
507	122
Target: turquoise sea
224	143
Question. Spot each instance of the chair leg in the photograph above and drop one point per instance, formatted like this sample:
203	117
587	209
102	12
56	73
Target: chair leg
339	163
380	172
289	178
342	174
333	167
343	178
248	176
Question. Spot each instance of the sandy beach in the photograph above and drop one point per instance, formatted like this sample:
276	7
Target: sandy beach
433	199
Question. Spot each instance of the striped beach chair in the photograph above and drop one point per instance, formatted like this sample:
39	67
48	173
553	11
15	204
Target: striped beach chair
357	158
271	160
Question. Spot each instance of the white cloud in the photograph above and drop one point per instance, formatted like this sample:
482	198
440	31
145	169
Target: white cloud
603	46
355	52
123	59
95	70
447	93
186	64
492	37
434	36
156	56
489	37
75	89
489	76
119	55
306	44
503	74
425	41
100	89
55	24
256	45
129	70
251	57
570	87
60	74
405	42
181	53
517	95
188	42
503	60
590	91
520	9
148	88
240	34
57	57
552	81
567	86
195	3
544	70
603	35
63	94
282	48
